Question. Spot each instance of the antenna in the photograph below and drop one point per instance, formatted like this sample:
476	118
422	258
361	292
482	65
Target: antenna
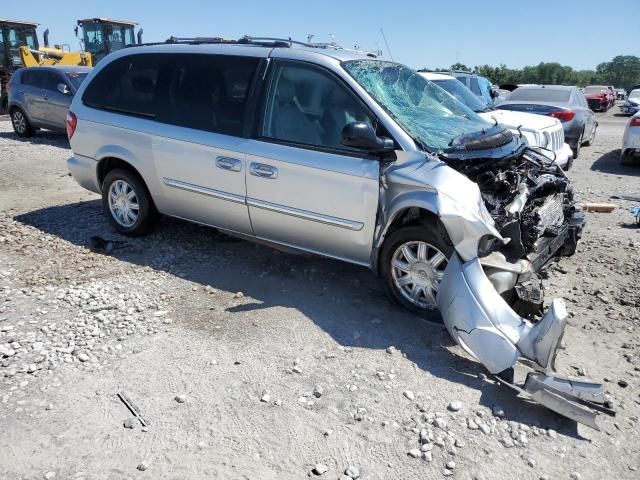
310	37
385	42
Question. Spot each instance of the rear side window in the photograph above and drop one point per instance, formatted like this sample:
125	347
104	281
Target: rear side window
128	85
208	92
33	78
204	92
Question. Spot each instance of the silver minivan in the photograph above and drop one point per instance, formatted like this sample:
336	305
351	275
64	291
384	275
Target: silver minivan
341	154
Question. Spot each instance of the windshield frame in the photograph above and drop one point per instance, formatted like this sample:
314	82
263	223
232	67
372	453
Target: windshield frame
432	129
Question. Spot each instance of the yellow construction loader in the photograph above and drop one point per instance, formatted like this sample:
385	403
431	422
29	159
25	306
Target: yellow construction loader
101	36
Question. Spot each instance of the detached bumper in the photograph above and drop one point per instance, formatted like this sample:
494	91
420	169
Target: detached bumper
482	323
83	170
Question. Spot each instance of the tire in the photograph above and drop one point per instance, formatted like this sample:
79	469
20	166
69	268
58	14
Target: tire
423	274
576	149
122	190
589	142
569	164
21	124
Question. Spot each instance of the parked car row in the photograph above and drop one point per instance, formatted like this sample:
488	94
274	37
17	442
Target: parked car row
567	104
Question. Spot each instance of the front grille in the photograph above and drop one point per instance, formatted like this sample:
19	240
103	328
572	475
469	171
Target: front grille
556	138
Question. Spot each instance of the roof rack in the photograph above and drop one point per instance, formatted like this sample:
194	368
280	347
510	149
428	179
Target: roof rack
271	42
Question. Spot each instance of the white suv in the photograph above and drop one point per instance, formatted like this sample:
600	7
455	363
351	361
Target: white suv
337	153
543	133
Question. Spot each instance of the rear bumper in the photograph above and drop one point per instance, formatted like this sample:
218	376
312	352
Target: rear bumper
83	170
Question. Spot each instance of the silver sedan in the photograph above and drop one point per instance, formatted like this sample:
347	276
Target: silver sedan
631	141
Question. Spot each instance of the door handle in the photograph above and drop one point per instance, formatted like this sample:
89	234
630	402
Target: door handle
263	171
228	163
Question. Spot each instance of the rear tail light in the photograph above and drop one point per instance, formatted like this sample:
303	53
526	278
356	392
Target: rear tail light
635	122
72	123
563	115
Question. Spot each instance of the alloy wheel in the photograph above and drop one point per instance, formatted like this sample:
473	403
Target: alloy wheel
123	203
417	268
19	122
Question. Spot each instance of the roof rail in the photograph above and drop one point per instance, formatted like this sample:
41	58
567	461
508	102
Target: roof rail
271	42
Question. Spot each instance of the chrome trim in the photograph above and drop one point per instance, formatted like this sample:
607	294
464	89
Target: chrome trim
229	163
263	170
210	192
305	214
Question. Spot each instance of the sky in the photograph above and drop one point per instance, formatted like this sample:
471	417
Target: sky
420	33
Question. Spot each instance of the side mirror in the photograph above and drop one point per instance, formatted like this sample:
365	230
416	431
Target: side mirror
63	89
361	135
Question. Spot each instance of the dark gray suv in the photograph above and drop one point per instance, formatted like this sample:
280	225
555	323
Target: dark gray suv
39	97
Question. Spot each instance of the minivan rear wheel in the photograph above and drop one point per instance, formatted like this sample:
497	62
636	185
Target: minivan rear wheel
127	203
21	123
413	260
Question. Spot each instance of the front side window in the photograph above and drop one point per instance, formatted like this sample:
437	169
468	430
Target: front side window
429	114
116	38
129	37
308	106
93	37
31	39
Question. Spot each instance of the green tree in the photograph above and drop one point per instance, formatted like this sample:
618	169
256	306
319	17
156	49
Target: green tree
623	71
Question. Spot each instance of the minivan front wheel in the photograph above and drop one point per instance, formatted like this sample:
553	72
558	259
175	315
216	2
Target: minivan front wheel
413	262
127	204
21	123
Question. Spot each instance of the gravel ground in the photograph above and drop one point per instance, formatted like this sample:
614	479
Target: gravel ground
251	363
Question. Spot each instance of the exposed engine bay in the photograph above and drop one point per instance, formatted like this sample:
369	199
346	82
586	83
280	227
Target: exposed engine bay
531	201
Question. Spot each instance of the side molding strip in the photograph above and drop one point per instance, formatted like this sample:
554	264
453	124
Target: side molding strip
305	214
210	192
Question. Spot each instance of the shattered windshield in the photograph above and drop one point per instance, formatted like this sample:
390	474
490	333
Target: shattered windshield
428	113
463	94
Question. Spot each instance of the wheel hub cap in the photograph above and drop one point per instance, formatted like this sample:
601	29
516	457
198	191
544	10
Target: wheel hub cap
123	203
417	269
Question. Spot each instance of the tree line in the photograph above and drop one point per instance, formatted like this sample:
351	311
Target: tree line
622	71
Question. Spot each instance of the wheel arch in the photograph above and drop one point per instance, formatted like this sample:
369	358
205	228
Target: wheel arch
109	163
408	209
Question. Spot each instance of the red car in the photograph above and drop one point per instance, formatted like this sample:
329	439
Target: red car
599	97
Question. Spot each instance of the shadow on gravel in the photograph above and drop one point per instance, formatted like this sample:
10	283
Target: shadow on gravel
40	138
610	163
346	301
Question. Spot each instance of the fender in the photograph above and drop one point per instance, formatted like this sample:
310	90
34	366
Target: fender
421	181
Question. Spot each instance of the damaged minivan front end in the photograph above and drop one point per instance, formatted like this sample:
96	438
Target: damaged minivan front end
507	211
